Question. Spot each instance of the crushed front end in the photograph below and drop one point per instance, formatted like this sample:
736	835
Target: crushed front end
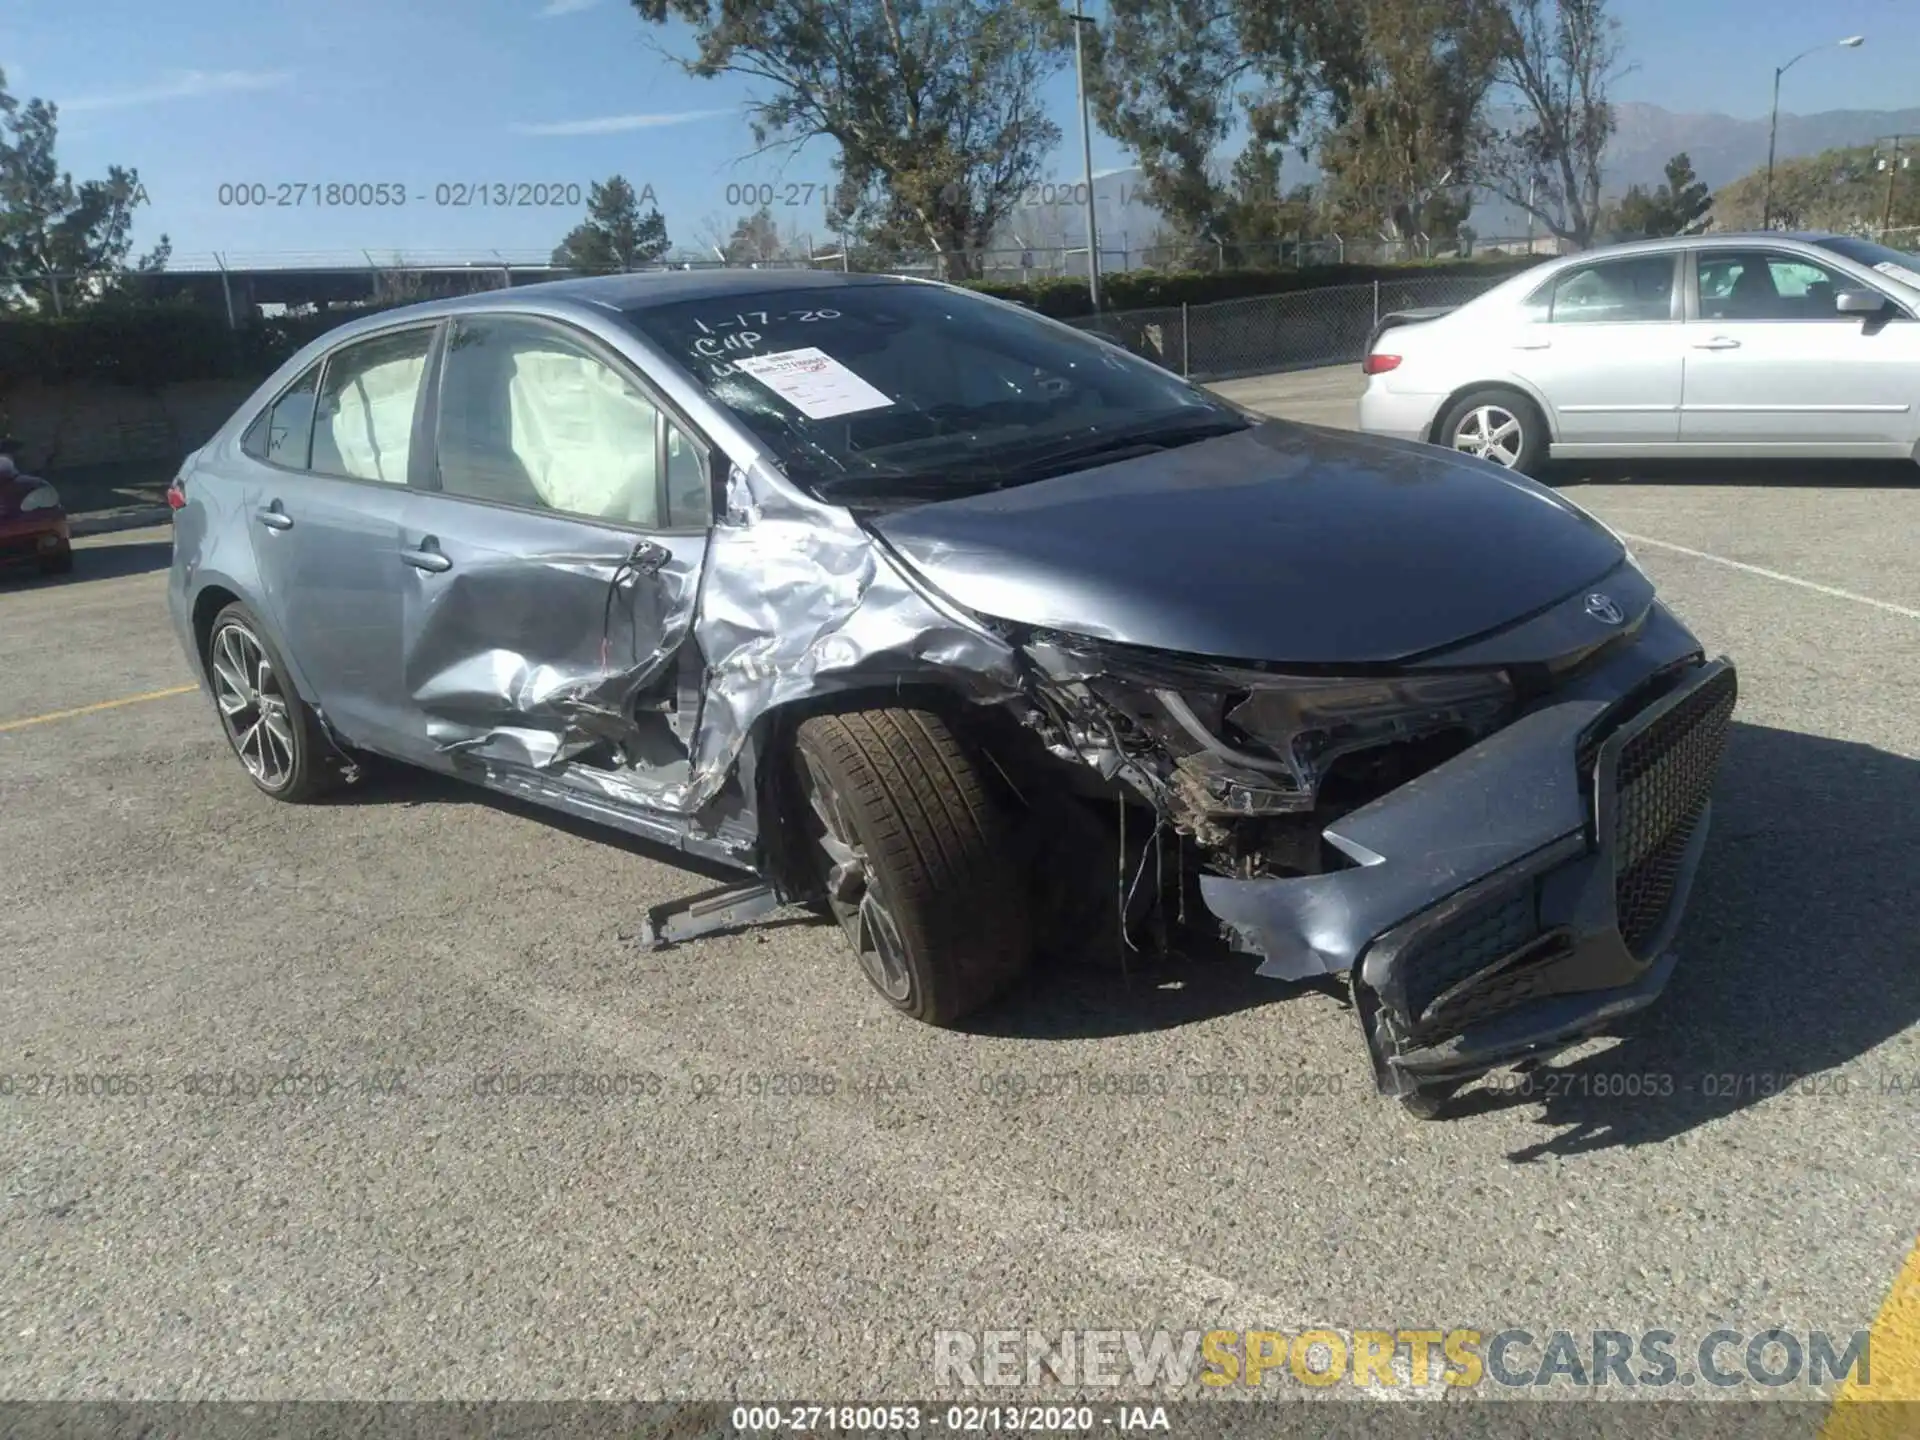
1496	843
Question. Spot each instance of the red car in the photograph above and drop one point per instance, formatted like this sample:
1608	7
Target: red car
33	524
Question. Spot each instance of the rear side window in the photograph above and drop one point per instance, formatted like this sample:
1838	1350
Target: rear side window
1634	289
283	435
364	428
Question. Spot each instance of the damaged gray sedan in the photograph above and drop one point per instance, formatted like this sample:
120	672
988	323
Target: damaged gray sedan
976	631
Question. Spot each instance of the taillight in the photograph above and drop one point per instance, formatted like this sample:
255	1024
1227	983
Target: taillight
1380	364
177	493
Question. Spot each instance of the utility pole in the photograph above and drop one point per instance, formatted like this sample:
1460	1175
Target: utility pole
1893	174
1080	21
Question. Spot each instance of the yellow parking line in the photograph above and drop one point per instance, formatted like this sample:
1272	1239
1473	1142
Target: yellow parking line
1893	1348
92	709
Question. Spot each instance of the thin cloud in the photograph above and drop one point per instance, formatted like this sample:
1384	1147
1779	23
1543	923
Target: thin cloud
554	8
186	85
619	124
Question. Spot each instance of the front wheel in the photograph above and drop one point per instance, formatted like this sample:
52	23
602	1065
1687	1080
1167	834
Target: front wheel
916	857
1498	425
275	734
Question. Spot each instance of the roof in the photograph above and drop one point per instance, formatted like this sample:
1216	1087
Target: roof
610	292
665	287
1713	237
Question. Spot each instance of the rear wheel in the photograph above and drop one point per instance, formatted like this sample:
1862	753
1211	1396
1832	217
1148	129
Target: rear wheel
916	857
58	563
275	734
1498	425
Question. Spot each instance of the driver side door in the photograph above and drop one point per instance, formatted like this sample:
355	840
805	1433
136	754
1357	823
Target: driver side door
554	556
1773	367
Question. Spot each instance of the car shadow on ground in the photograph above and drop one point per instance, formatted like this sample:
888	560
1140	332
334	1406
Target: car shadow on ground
1776	474
1057	1000
388	782
1797	958
1148	992
95	562
1797	954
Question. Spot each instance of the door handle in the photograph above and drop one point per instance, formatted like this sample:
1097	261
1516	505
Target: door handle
274	517
427	556
1718	342
1533	344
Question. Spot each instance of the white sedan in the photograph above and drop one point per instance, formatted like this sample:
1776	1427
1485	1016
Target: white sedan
1714	345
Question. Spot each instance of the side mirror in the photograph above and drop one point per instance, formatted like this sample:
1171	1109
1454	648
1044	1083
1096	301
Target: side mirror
1859	302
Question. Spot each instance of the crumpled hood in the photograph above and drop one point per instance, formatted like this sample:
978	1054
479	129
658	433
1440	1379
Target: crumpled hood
1285	543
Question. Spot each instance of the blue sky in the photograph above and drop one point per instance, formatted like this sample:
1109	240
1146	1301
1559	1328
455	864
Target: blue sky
430	92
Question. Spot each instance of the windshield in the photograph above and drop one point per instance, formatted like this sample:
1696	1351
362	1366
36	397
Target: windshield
1901	265
892	392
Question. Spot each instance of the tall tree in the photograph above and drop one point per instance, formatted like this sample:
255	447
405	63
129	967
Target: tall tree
1176	80
52	228
935	105
1401	161
755	239
1558	60
1680	205
615	236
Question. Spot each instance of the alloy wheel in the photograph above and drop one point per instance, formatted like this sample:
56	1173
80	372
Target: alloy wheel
1492	433
856	904
253	705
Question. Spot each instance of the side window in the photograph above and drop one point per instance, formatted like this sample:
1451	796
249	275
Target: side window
530	417
1634	290
364	429
283	435
1766	285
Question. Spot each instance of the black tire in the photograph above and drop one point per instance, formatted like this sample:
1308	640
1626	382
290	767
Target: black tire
60	564
1528	456
310	768
935	905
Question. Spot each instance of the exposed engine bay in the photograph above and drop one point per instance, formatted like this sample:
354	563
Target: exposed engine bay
1250	765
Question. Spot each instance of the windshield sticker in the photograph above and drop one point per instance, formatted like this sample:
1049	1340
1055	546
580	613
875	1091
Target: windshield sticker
813	382
1899	272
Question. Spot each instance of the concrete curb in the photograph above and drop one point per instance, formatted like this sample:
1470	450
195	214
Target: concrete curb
78	525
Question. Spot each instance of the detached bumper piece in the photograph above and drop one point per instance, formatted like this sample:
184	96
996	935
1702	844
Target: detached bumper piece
1562	943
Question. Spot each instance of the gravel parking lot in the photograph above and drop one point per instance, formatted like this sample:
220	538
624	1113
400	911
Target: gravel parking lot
793	1189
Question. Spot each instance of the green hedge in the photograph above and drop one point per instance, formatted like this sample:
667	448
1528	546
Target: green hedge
152	345
148	345
1066	299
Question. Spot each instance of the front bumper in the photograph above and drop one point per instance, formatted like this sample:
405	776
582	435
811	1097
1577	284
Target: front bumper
1525	893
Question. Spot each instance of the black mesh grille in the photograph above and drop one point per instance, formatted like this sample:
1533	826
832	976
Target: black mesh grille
1466	945
1661	785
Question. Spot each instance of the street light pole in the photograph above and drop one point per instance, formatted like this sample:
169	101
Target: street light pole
1080	21
1852	42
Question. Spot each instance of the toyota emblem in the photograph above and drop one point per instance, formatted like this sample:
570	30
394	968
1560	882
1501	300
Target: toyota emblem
1602	608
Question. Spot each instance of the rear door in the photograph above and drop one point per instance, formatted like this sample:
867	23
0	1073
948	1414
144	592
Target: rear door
1773	365
1602	343
335	453
553	556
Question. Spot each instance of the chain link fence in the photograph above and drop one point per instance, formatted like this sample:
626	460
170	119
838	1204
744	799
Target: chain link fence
246	286
1328	325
